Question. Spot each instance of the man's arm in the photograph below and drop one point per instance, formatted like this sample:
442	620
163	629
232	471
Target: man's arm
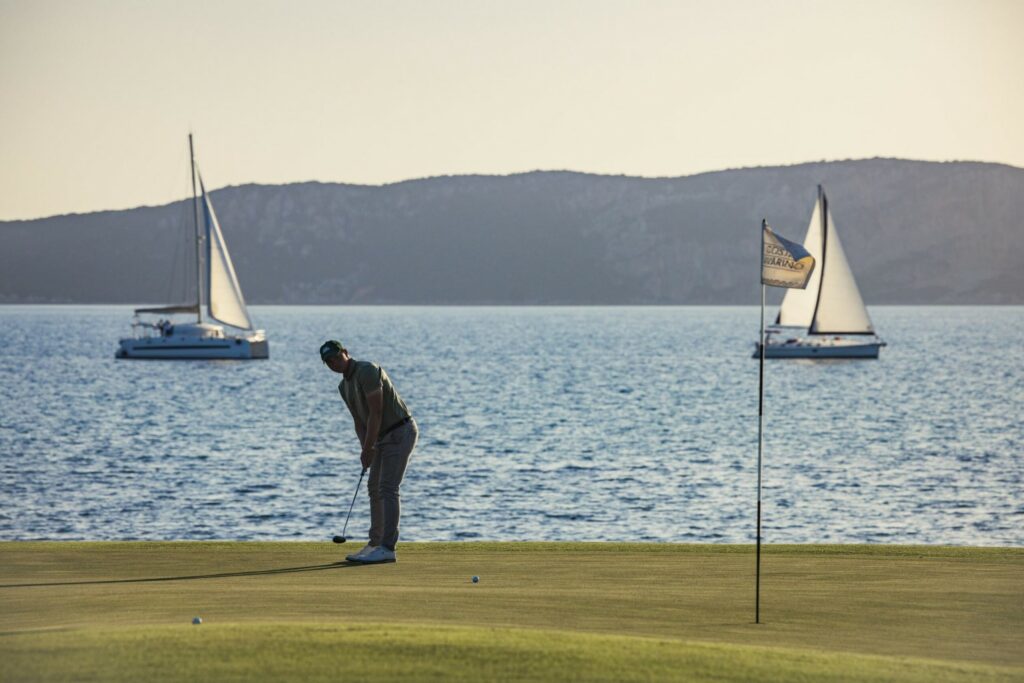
360	429
375	403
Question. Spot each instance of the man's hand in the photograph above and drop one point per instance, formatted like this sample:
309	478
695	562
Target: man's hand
366	458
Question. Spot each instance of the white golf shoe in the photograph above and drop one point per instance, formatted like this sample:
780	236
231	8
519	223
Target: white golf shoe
378	555
366	549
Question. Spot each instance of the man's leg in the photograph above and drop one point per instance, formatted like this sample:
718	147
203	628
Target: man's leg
394	458
376	502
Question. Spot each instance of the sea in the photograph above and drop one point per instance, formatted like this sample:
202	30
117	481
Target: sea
545	423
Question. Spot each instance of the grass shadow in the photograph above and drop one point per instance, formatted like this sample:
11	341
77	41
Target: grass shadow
194	577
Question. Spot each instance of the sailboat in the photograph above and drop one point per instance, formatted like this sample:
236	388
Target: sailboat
225	306
828	319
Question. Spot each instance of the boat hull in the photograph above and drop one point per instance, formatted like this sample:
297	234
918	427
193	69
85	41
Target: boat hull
163	348
866	350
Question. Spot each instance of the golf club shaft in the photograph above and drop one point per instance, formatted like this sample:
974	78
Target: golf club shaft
353	503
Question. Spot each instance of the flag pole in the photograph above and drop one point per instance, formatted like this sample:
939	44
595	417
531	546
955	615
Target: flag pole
760	439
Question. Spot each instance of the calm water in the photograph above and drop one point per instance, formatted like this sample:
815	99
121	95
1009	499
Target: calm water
536	423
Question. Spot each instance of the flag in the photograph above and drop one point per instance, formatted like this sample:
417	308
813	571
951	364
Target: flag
784	263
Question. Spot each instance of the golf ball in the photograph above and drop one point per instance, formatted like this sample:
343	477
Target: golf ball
197	621
476	579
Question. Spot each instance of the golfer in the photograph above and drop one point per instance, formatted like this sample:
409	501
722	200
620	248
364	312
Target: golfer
387	434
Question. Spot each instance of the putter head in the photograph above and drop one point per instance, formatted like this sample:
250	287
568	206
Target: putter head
339	539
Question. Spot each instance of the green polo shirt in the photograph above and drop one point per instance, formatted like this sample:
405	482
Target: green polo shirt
362	378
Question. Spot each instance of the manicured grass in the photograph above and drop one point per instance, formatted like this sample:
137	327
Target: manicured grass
287	651
287	611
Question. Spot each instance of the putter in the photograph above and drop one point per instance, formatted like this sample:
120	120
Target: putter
341	538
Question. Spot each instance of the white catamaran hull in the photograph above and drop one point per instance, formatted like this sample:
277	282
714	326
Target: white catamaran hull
192	341
229	348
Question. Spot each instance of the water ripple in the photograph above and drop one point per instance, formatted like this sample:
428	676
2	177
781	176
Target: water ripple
536	423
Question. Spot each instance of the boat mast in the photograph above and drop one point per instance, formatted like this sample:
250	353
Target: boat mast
823	205
199	238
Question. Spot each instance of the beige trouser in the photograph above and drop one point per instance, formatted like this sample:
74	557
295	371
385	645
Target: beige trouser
386	472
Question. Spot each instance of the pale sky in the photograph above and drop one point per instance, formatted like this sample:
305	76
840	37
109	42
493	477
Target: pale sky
97	97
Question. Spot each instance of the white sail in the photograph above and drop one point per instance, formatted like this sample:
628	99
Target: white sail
840	308
797	308
225	302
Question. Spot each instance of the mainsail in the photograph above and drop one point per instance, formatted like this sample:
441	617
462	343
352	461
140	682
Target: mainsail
840	308
831	303
224	302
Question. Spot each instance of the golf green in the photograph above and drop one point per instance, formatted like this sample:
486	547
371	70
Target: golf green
592	611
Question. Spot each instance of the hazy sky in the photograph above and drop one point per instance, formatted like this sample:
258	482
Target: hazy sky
97	97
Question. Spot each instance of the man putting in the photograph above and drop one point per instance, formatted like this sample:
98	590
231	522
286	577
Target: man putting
387	434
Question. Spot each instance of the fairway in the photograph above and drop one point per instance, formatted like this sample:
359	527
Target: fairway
601	611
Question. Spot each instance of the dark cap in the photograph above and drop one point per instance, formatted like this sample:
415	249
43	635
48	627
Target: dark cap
330	348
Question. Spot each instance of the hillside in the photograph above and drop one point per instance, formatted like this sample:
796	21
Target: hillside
915	233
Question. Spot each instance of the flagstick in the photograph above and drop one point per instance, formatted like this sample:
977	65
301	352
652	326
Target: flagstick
760	445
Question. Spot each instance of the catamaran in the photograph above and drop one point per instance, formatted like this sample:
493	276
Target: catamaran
167	339
828	318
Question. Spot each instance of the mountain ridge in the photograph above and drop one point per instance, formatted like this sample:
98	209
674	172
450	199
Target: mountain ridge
625	176
916	232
